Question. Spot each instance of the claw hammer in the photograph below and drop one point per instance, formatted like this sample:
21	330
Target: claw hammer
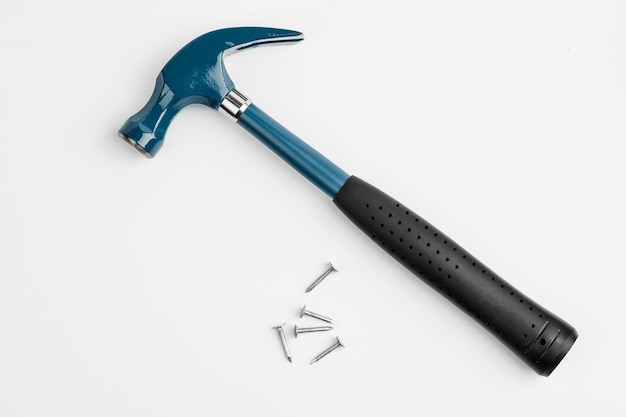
196	74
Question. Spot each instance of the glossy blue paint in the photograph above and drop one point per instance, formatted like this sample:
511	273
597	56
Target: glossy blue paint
196	74
314	166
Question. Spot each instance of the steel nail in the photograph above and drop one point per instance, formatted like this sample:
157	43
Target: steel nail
321	277
283	339
305	312
297	330
327	351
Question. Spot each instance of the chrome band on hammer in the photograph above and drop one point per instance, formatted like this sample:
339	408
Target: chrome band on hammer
234	104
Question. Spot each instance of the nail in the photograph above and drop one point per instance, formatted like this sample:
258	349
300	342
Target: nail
305	312
327	351
297	330
321	277
283	339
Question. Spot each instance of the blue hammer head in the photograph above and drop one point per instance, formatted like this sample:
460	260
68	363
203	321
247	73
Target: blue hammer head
196	74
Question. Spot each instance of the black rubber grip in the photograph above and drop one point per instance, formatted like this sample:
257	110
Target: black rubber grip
537	336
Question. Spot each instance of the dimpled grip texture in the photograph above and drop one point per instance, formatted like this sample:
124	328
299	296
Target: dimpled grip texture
537	336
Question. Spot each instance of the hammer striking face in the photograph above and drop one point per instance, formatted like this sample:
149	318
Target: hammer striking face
196	74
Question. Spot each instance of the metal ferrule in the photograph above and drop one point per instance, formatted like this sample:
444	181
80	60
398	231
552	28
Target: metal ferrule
234	104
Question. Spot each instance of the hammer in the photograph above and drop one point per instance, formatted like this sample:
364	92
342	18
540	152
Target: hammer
196	74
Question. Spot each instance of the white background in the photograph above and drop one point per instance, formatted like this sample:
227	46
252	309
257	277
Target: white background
136	287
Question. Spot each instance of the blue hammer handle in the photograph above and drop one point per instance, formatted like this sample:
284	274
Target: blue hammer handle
327	176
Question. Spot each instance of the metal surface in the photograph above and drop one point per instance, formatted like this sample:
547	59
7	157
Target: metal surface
297	330
283	339
234	104
327	351
196	74
321	277
303	158
305	312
